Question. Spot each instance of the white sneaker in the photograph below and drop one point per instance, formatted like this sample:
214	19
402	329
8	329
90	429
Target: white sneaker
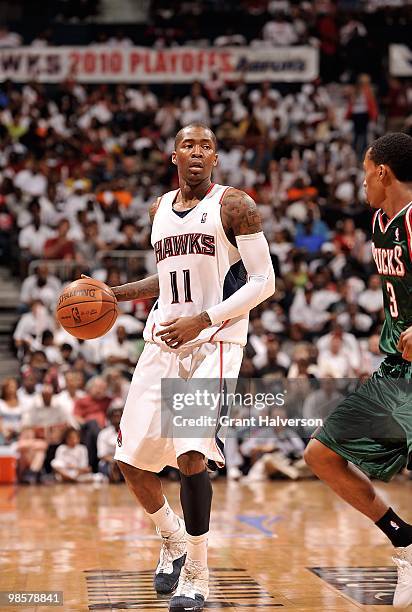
193	588
172	558
279	463
403	592
257	472
234	473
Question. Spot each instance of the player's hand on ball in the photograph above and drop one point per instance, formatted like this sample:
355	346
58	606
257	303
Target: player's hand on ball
405	344
179	331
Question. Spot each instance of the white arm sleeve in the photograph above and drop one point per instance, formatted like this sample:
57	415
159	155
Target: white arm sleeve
254	251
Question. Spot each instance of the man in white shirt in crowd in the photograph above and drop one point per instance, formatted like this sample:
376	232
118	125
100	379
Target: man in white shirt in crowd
33	237
349	342
311	317
117	350
46	413
32	325
371	299
31	180
40	285
335	361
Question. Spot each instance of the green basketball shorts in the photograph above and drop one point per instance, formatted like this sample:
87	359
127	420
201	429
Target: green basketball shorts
372	426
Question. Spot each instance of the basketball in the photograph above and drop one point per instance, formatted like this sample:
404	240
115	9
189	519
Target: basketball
87	309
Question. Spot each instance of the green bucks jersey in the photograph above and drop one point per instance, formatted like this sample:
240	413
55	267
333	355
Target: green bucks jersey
392	252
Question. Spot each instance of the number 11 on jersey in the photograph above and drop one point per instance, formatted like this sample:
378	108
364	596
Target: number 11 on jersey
186	283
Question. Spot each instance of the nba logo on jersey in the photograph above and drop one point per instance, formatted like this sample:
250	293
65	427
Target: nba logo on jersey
397	233
204	217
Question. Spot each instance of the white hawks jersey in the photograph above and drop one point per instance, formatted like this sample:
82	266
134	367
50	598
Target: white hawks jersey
198	267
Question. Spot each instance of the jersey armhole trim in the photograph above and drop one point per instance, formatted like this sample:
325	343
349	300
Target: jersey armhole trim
408	227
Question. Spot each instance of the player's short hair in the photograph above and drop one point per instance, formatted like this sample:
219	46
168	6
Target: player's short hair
394	150
179	135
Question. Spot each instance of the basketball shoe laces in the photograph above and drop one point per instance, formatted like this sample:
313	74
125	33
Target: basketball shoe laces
403	590
404	570
194	579
172	549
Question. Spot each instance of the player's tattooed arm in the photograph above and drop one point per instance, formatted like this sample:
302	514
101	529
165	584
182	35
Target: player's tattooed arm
153	209
239	214
145	288
139	290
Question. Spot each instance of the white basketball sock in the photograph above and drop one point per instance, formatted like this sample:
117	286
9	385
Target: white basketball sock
165	520
197	548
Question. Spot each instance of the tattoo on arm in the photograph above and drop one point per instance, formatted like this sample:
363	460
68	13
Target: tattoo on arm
239	214
205	318
142	289
153	208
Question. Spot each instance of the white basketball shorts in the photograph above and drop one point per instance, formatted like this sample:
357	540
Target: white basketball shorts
141	441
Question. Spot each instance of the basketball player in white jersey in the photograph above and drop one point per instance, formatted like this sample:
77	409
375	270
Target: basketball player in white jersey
197	329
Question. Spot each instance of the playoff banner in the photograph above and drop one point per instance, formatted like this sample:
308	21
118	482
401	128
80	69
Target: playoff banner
144	65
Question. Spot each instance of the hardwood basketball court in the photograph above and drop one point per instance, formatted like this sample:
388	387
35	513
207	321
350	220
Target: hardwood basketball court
274	546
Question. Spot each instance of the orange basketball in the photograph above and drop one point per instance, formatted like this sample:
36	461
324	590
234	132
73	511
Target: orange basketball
87	308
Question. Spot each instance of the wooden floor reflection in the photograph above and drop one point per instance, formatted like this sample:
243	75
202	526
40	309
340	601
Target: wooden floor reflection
274	546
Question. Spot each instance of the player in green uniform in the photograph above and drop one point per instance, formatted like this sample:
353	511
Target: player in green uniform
370	432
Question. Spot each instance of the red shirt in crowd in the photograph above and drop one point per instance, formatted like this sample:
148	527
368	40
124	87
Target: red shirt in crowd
89	409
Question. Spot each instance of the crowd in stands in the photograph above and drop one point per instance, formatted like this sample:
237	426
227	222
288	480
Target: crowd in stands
350	34
79	167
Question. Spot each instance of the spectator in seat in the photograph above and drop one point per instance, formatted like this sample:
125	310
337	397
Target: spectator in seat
11	409
371	300
49	348
320	402
32	325
335	361
106	444
275	362
354	321
31	180
60	247
118	350
9	39
87	249
72	391
42	286
90	413
279	31
28	389
275	453
306	314
118	383
308	239
70	463
371	355
46	420
129	240
32	238
362	109
349	341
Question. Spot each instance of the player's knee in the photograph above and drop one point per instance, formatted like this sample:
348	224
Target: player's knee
191	463
313	454
132	475
318	456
